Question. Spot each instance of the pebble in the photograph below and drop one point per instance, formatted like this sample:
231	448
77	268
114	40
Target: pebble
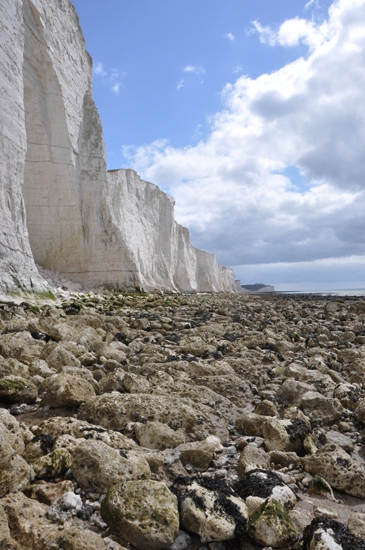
71	500
182	541
230	451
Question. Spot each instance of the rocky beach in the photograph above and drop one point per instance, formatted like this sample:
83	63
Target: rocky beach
201	421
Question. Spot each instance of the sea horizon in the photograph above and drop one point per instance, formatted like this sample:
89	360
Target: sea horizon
326	292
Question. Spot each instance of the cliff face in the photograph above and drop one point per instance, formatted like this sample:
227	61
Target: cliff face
156	249
58	204
17	266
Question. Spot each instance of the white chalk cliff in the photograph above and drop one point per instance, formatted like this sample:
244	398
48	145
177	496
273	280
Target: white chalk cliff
59	207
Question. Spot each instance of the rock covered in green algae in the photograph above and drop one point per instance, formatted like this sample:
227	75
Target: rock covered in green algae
144	513
15	389
271	525
54	464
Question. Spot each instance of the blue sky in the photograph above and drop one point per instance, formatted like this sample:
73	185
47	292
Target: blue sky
251	115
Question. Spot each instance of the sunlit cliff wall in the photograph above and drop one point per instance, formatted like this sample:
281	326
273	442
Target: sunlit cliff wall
58	205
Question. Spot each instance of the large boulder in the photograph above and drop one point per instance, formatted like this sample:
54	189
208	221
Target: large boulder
11	431
145	513
329	534
16	476
285	435
200	454
155	435
271	525
251	458
115	410
59	426
251	424
349	395
15	389
30	528
97	466
292	390
338	468
65	390
320	408
57	357
211	509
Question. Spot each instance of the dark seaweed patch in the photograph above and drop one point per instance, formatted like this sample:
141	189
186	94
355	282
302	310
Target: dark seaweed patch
281	403
354	394
340	533
175	338
255	484
46	442
222	504
40	336
85	513
122	337
96	429
230	336
298	429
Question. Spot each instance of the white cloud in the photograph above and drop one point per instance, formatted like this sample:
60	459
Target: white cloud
230	36
113	77
194	69
98	69
233	190
309	4
116	88
292	32
180	85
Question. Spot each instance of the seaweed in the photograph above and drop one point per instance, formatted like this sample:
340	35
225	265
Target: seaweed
175	338
122	337
41	336
230	336
257	483
222	504
85	513
298	429
46	442
341	534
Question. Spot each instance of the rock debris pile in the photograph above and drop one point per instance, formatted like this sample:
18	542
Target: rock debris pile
150	421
